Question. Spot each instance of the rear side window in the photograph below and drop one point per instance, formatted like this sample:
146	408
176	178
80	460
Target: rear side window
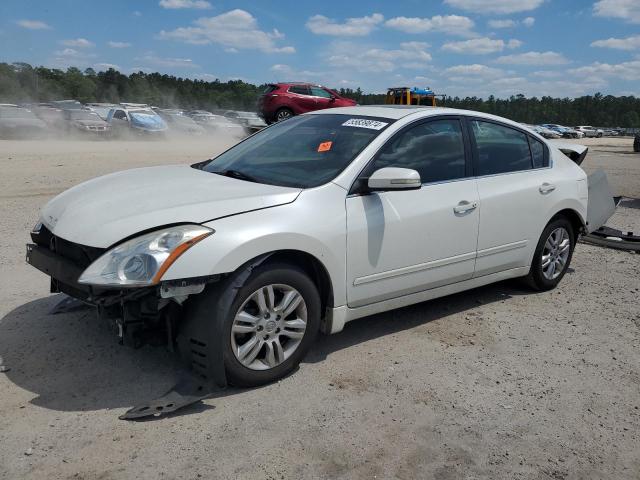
269	89
299	89
501	149
537	153
434	149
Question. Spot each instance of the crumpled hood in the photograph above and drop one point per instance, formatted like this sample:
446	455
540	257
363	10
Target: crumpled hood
107	209
147	121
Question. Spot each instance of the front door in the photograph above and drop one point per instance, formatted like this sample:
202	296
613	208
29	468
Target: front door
403	242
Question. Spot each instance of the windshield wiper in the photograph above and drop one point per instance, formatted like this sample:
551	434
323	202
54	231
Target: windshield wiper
239	175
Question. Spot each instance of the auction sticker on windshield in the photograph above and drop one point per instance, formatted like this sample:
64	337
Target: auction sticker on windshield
365	123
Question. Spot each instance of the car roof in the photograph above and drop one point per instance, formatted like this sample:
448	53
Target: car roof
396	112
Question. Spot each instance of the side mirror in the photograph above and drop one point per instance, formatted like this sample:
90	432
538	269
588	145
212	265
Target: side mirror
394	178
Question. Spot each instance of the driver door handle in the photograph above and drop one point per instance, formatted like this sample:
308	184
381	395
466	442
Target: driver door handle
465	206
546	188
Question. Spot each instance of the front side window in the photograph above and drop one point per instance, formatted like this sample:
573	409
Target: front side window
303	152
434	149
320	92
501	149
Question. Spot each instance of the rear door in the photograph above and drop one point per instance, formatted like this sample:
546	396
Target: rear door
403	242
516	190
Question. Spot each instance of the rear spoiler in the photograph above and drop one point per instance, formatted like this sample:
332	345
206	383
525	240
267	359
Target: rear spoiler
575	152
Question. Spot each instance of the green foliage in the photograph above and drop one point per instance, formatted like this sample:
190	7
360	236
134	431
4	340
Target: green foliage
20	82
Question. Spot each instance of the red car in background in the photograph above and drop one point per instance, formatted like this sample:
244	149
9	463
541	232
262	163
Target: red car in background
280	101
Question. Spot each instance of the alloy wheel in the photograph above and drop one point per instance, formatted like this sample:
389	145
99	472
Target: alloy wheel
269	326
283	115
555	253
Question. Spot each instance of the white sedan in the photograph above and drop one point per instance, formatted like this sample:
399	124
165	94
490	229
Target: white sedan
314	222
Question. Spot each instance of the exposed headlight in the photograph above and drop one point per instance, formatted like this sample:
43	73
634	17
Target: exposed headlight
143	260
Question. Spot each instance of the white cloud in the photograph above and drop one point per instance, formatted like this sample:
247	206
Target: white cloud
480	46
77	43
502	23
628	10
71	52
625	71
153	60
119	44
234	29
176	4
529	21
548	74
411	55
33	24
495	6
451	24
533	58
106	66
629	43
352	27
475	70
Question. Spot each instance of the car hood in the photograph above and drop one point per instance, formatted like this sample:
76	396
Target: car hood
107	209
91	123
146	121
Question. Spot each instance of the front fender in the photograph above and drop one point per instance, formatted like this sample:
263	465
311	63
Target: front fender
300	226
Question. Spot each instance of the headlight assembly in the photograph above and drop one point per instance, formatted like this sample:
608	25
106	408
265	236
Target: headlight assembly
143	260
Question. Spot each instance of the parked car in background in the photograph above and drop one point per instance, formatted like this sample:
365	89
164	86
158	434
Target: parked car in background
589	131
566	132
126	120
314	222
102	109
49	114
249	120
18	122
180	123
67	104
280	101
545	132
86	122
217	124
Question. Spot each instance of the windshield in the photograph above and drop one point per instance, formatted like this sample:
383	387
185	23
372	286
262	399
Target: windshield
83	115
13	112
302	152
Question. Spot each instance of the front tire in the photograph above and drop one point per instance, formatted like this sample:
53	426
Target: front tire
553	255
269	326
283	114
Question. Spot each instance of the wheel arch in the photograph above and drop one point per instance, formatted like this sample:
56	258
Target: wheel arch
309	263
577	222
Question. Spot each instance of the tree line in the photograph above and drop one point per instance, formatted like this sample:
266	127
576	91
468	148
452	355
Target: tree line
22	83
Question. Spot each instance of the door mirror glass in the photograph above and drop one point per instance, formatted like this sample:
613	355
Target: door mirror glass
394	178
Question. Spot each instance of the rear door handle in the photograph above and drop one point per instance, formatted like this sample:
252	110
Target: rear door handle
465	206
546	188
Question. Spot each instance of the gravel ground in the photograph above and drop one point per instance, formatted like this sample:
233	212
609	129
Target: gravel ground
497	382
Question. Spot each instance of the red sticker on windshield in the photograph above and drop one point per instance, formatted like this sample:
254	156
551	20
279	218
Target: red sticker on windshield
324	146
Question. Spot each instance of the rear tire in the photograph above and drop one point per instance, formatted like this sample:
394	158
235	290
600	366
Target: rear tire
552	256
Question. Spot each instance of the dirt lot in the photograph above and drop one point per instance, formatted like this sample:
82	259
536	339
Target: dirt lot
493	383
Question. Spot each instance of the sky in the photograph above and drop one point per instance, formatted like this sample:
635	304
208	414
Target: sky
456	47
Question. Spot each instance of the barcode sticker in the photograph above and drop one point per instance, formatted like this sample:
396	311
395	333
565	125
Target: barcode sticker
365	123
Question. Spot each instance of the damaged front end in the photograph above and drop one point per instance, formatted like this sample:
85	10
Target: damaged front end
151	314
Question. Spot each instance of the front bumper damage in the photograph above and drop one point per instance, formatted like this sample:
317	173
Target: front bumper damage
150	315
